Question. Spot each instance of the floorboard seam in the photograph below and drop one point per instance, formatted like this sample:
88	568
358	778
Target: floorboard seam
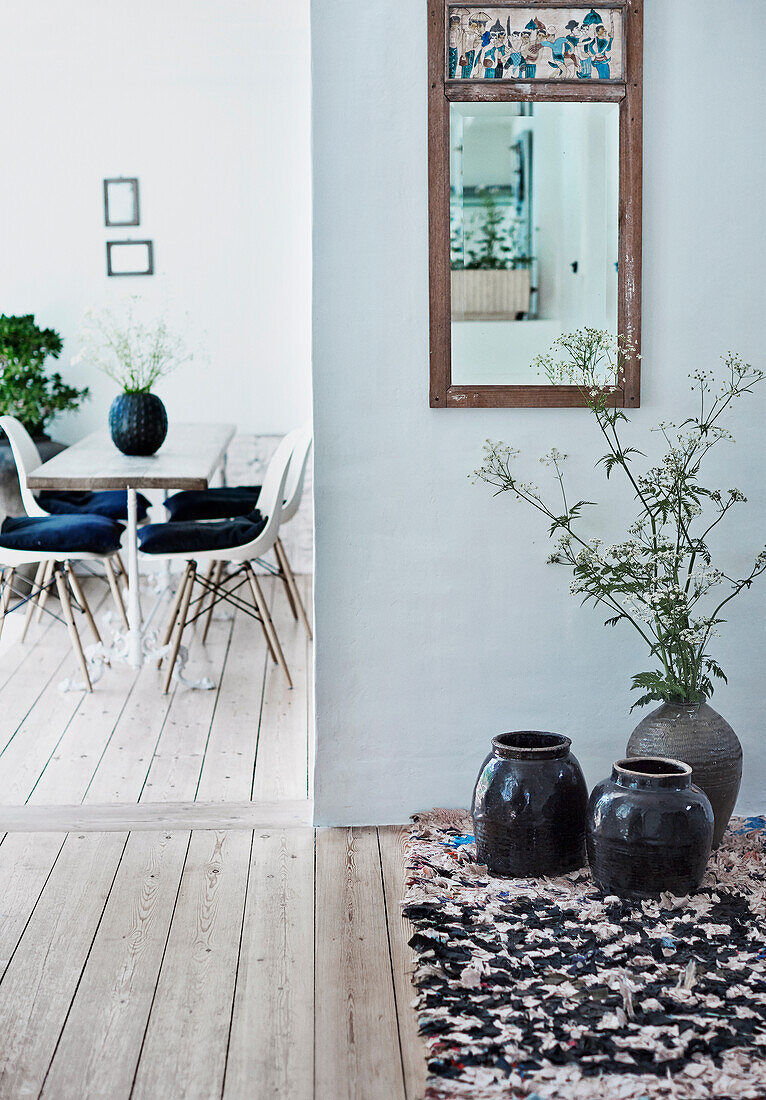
391	963
32	912
221	676
117	721
85	963
239	959
159	968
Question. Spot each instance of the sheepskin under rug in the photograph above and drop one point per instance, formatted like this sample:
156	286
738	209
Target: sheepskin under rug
542	988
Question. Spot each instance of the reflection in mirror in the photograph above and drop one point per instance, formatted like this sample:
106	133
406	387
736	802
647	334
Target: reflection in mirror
534	197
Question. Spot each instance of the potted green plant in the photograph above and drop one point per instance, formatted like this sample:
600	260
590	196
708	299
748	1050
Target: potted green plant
660	579
27	391
136	353
491	277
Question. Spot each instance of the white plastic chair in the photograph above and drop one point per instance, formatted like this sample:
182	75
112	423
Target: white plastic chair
272	492
293	495
27	458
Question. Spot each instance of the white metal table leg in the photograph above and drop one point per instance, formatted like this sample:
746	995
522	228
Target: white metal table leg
135	648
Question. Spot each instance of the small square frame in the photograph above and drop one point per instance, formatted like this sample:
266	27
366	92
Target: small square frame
146	269
121	181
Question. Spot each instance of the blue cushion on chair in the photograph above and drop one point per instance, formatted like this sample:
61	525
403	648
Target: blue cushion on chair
112	503
188	538
62	534
239	500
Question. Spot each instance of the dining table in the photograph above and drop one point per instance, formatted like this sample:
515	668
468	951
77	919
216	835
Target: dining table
189	458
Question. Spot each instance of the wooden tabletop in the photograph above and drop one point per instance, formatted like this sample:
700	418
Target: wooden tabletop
186	460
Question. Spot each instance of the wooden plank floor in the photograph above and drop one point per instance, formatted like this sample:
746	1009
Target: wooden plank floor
170	925
237	964
128	744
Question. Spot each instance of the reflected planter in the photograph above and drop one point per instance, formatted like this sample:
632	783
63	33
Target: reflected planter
529	806
489	295
650	830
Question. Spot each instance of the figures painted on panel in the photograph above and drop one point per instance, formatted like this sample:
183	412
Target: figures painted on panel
533	44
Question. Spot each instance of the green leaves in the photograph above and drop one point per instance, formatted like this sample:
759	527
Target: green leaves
662	687
26	392
564	521
617	458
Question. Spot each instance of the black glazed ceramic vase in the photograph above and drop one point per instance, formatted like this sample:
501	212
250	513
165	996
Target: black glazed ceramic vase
138	423
650	830
698	735
529	807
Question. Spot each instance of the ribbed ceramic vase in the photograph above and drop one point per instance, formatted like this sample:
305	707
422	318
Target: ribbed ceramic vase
138	423
650	830
697	734
529	806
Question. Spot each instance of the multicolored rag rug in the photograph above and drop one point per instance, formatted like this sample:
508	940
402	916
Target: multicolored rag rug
542	988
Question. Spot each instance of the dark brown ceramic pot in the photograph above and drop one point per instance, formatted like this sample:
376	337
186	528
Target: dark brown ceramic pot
697	734
529	806
650	829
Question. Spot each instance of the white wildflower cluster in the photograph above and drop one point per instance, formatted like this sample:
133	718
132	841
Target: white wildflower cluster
703	579
553	457
132	348
590	358
495	469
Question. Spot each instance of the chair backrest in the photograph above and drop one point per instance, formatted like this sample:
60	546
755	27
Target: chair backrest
273	487
27	458
297	475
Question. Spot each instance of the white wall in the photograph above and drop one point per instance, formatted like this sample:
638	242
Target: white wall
208	104
438	625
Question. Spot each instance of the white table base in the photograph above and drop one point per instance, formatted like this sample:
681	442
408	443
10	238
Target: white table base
138	644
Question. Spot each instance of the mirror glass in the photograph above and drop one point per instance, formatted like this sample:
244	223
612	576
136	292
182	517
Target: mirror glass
534	202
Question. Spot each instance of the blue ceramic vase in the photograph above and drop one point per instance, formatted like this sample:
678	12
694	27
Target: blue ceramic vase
650	830
138	423
529	807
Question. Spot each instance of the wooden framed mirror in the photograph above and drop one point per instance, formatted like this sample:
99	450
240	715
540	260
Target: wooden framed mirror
535	174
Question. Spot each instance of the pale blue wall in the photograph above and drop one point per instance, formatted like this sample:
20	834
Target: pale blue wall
438	625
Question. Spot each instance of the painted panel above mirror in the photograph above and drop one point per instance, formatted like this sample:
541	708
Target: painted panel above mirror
534	232
535	43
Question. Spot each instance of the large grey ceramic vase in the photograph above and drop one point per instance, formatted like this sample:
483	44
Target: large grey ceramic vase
697	734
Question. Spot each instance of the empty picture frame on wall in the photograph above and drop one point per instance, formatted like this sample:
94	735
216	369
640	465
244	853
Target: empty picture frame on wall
129	258
121	202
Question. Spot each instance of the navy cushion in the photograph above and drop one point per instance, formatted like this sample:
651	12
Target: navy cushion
193	504
62	534
112	503
187	538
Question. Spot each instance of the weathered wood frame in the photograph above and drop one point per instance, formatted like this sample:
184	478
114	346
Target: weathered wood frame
628	93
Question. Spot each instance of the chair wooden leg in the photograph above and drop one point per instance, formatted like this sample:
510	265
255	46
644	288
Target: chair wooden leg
282	574
5	599
114	585
33	596
291	583
218	566
66	606
171	620
268	625
121	565
79	595
180	625
272	652
43	597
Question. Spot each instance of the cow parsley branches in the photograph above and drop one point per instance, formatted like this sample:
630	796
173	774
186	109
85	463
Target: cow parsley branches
661	578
